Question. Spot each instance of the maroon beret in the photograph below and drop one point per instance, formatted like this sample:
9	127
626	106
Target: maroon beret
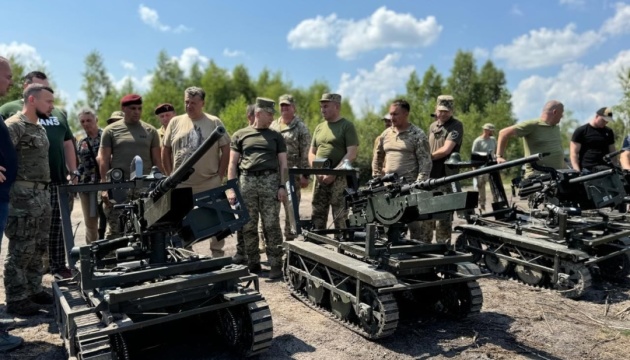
131	99
162	108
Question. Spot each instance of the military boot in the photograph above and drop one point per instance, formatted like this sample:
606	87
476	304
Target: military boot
254	268
9	342
275	272
239	259
42	298
22	307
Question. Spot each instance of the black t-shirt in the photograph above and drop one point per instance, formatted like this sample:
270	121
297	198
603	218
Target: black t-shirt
595	143
9	160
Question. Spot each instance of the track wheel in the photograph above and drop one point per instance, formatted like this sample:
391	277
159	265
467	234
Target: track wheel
495	264
616	268
315	288
228	327
256	328
294	280
574	279
341	305
530	275
378	314
464	241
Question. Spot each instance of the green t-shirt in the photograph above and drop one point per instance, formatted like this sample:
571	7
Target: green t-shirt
333	139
57	131
538	137
259	148
129	140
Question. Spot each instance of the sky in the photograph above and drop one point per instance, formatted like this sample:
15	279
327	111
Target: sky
569	50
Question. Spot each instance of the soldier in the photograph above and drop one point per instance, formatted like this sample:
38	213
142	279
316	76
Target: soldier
88	170
445	137
298	141
591	141
28	225
485	143
261	155
241	255
120	143
185	134
8	173
335	139
115	116
403	149
165	112
387	121
62	161
540	135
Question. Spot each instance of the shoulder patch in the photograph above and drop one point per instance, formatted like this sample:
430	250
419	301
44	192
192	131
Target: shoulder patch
454	134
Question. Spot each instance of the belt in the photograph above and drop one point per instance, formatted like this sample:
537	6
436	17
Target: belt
32	184
258	173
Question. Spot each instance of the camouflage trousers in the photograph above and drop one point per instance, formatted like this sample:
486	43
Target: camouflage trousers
260	195
443	228
112	215
325	197
482	180
240	242
28	231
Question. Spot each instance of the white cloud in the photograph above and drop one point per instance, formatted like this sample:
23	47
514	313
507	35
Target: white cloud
575	3
516	10
368	90
582	89
24	53
190	56
232	53
383	29
481	53
128	65
150	17
140	84
620	23
545	47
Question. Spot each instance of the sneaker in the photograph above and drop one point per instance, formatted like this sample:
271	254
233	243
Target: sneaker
239	259
275	272
255	268
9	342
42	298
22	307
63	273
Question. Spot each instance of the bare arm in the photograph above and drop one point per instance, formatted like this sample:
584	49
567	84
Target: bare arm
624	158
156	158
70	153
235	157
574	152
377	157
504	135
104	158
167	159
312	156
224	160
351	154
444	151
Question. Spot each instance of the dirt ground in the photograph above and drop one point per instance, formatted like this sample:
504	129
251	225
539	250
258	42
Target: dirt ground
516	322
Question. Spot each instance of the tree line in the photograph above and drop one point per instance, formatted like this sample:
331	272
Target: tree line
481	96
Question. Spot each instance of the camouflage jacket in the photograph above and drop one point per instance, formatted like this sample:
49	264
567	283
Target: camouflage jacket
31	142
87	150
298	140
406	153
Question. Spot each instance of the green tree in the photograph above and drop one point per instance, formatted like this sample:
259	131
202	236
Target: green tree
621	112
242	84
492	85
15	91
218	87
167	86
96	83
233	114
463	83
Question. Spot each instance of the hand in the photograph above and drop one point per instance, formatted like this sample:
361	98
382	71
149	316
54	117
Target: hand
2	177
304	181
105	198
500	160
282	195
231	195
328	179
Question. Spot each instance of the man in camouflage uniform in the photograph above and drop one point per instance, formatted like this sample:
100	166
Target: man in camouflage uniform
28	225
403	149
446	134
485	143
261	155
335	139
387	121
298	141
120	143
88	170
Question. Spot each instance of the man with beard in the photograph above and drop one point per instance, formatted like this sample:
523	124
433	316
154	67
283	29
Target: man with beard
62	161
185	134
120	143
261	155
28	224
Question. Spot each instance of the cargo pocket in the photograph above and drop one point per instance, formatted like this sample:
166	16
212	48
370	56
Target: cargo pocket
15	227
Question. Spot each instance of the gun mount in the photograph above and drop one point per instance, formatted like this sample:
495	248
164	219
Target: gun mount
562	239
116	305
362	274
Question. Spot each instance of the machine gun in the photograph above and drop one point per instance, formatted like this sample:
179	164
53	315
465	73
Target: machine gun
114	302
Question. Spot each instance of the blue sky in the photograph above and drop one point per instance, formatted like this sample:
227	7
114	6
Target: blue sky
570	50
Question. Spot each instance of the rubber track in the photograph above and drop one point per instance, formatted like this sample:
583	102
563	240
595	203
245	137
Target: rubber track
262	327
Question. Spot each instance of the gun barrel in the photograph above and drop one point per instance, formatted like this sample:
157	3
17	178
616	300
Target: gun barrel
183	172
434	183
597	175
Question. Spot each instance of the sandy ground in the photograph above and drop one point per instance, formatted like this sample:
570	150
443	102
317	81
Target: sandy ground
516	322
